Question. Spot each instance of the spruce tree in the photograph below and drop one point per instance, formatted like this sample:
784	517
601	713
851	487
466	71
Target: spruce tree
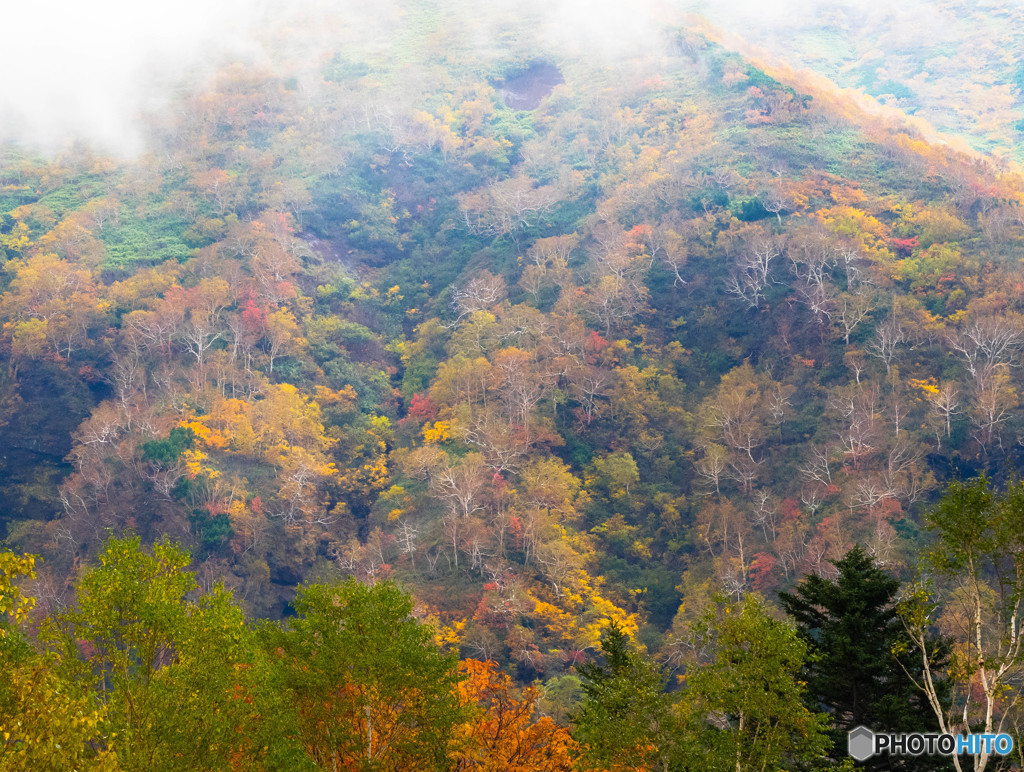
852	629
625	720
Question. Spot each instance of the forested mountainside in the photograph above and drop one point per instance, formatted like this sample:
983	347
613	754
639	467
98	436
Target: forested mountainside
561	342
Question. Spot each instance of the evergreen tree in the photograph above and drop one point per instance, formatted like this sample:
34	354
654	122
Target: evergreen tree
852	628
625	720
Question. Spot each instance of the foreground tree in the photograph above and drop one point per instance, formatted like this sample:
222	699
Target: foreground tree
14	604
978	567
744	705
625	721
45	724
503	734
370	688
145	673
851	627
181	679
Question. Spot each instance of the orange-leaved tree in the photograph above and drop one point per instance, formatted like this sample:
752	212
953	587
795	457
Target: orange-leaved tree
504	732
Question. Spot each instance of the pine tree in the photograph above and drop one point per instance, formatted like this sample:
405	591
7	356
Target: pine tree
852	629
625	720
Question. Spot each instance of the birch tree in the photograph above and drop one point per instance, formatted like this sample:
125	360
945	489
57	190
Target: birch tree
977	572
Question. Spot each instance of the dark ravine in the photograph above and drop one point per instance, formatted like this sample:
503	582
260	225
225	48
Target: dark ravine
526	89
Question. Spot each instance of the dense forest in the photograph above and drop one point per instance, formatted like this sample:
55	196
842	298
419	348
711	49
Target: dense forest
523	406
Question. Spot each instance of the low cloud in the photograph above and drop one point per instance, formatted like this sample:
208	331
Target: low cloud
86	70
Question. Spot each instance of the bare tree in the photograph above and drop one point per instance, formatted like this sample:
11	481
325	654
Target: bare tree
812	263
776	200
987	343
766	514
712	465
751	274
508	206
588	384
407	535
902	475
819	466
945	403
992	399
889	336
778	402
617	266
859	412
481	293
744	471
848	311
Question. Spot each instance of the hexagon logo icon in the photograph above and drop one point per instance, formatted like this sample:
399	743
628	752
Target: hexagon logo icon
860	743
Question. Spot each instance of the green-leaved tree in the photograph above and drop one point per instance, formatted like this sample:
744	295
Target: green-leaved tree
625	721
371	689
972	590
744	705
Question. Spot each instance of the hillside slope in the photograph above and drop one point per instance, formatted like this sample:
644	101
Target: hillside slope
684	326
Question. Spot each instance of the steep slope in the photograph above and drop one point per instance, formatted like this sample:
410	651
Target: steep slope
687	325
